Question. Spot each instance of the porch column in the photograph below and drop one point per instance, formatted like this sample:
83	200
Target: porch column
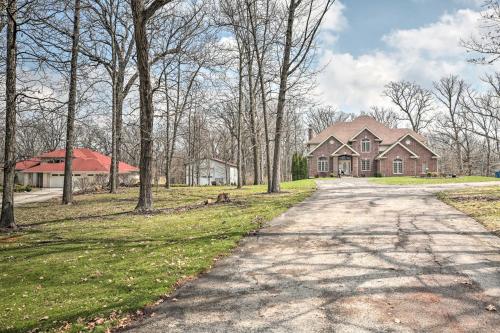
355	168
335	164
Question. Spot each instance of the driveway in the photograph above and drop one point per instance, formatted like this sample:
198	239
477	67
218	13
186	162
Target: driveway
36	195
355	257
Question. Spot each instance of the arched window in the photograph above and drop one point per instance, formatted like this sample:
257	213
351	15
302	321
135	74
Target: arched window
397	166
365	145
323	164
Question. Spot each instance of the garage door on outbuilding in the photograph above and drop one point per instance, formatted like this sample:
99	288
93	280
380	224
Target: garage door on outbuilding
56	180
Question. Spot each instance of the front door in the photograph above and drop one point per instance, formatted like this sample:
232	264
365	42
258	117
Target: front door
345	166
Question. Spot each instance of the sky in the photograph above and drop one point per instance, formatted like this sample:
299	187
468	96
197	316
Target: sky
364	44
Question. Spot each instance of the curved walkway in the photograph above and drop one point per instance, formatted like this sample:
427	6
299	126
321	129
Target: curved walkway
355	257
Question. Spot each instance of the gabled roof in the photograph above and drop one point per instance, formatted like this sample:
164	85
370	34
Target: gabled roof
361	131
84	160
325	140
347	146
345	131
395	145
214	159
411	152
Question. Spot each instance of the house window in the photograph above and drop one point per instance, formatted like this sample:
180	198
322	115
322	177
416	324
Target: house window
397	166
365	165
323	164
424	167
365	145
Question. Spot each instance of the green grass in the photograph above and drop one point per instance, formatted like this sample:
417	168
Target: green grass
418	180
72	264
481	203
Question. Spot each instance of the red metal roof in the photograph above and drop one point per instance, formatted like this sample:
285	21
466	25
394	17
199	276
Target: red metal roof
84	160
27	164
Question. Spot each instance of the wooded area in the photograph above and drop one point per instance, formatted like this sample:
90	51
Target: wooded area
161	83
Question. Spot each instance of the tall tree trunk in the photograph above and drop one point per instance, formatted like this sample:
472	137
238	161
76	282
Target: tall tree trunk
253	126
70	125
116	139
260	74
275	186
240	107
114	164
145	202
7	219
459	150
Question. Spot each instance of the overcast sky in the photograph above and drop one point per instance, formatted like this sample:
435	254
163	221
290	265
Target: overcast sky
366	43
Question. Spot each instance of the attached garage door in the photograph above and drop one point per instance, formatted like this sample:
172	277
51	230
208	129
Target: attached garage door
56	180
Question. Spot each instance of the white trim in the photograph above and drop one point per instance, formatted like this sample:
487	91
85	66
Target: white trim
394	145
346	145
369	164
402	166
365	128
414	138
319	145
369	145
323	158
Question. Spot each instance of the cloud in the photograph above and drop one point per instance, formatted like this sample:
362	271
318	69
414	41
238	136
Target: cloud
424	54
333	23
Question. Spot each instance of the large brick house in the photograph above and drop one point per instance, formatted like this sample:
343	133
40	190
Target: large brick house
364	147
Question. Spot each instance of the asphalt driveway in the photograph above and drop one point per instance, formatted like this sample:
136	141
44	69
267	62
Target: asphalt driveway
355	257
37	195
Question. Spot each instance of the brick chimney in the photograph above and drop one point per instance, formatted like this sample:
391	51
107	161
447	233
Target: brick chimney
310	133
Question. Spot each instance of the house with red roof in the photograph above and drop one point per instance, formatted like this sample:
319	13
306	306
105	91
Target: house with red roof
47	170
365	147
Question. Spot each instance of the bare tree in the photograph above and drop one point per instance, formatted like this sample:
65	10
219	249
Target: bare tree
7	217
67	197
319	118
303	19
384	115
486	48
260	17
449	91
413	101
142	14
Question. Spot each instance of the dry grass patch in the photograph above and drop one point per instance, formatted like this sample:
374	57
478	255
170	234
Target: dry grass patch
482	203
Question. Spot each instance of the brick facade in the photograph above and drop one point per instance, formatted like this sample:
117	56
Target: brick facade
325	149
416	158
370	155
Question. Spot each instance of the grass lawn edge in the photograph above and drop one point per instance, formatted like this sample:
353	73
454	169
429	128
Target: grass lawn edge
479	203
264	211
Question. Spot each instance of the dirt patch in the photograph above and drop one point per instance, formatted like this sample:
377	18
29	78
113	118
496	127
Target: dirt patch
463	198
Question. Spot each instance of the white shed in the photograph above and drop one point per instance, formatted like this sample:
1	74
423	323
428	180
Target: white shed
211	171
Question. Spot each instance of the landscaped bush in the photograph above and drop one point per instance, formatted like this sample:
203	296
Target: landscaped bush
299	167
101	180
22	188
84	185
378	175
128	180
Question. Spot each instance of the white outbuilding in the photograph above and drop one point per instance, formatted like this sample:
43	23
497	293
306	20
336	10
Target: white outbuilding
211	171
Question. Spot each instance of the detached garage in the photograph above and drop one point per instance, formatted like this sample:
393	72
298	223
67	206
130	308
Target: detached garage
47	170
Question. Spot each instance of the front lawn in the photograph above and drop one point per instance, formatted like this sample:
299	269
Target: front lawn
96	258
481	203
430	180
